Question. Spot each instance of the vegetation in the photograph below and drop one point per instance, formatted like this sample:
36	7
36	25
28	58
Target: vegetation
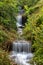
8	12
4	58
8	27
33	29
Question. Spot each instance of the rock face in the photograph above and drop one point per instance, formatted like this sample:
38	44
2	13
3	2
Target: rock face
24	19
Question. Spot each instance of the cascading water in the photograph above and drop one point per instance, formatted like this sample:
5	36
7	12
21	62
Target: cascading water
21	49
21	46
19	23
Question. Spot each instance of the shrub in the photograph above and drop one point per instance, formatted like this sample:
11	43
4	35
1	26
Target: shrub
4	58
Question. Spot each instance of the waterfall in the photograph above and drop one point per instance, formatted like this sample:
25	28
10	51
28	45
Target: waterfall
19	23
21	49
19	19
23	46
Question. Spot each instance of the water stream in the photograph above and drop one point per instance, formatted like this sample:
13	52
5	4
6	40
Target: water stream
21	49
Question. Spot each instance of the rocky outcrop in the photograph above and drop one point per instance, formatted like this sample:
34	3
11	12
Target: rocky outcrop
24	19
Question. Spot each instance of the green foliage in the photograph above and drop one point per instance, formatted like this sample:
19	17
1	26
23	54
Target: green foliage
27	2
4	58
3	36
7	13
34	31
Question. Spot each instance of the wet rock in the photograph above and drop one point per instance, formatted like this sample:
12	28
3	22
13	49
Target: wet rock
24	19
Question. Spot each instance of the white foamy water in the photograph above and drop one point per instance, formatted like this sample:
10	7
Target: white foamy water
21	58
19	21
